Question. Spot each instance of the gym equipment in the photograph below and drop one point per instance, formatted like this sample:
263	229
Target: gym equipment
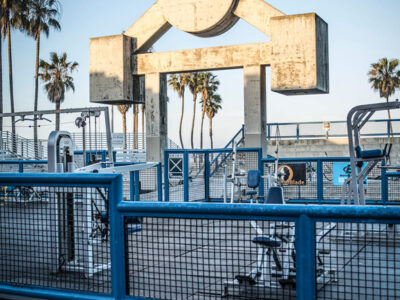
80	122
274	275
362	161
236	178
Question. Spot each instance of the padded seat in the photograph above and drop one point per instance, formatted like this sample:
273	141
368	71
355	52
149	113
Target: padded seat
266	241
253	179
365	154
251	193
275	195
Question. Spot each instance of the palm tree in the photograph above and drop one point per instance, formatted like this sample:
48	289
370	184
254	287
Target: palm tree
178	83
213	105
143	129
1	71
12	15
57	75
42	15
195	88
123	109
385	78
208	86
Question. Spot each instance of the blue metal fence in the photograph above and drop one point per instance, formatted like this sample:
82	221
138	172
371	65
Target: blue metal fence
199	168
313	130
305	219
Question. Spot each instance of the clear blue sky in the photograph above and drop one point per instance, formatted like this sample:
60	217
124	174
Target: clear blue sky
360	32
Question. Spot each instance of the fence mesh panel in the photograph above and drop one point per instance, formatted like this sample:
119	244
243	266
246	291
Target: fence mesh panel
357	261
175	174
209	259
245	161
196	177
55	237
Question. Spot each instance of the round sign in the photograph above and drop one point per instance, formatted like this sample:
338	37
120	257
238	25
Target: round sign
200	17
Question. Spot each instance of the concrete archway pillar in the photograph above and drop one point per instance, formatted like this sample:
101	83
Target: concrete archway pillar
156	116
255	107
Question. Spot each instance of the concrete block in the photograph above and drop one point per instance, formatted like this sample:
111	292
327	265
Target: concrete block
111	80
299	49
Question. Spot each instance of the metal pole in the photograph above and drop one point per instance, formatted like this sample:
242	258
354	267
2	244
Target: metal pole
84	146
108	133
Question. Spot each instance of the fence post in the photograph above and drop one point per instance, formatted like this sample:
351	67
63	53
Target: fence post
137	185
305	259
132	186
159	182
320	181
384	186
207	176
20	167
268	132
186	176
261	170
166	175
117	232
298	131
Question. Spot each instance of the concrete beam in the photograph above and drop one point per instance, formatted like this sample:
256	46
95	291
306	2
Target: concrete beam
204	18
156	116
148	28
255	108
257	13
110	70
215	58
300	62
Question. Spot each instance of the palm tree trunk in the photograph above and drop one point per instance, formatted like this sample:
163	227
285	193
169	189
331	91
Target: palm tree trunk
1	89
193	119
58	105
133	127
211	133
35	106
143	137
124	129
390	122
201	129
136	126
14	147
181	121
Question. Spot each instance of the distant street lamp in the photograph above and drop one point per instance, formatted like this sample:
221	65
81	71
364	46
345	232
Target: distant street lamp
327	127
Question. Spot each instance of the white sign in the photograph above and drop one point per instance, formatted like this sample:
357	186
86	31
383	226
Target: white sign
117	140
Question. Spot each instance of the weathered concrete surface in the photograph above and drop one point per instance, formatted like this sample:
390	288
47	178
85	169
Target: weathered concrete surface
299	51
148	28
297	54
203	18
255	110
215	58
329	147
156	116
257	13
110	69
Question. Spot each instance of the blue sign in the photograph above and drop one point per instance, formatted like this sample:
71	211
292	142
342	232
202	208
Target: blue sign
341	171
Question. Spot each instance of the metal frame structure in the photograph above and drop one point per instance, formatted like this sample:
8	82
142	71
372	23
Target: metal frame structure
206	169
304	217
356	119
88	110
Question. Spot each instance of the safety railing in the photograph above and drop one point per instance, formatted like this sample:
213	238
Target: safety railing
188	250
143	185
55	235
330	129
324	179
193	175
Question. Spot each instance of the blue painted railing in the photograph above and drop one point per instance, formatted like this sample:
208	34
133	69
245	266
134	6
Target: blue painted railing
206	169
304	217
299	134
